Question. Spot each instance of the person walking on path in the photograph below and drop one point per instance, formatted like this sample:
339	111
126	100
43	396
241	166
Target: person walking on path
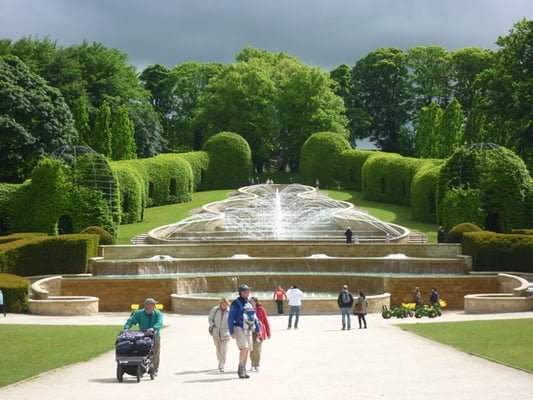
345	302
348	234
279	295
236	328
259	338
434	301
149	320
2	309
360	306
218	328
295	301
417	297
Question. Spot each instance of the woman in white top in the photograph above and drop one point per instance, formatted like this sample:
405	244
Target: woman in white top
218	328
295	301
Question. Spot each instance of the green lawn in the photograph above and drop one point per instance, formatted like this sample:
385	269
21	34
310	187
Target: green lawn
508	342
158	216
28	350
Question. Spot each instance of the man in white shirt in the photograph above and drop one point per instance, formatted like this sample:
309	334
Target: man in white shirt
295	301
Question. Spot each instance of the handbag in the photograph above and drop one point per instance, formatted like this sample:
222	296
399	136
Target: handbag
210	329
358	308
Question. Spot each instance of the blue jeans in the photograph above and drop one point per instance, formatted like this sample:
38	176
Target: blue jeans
295	310
346	313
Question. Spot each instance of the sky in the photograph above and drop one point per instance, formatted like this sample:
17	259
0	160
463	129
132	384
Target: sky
326	33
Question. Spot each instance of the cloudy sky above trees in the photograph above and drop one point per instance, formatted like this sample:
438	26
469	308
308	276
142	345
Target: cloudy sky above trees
320	32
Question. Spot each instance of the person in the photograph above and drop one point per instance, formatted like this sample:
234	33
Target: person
434	300
291	181
295	301
236	328
149	320
417	297
218	328
360	307
387	238
356	239
2	309
279	295
345	302
317	184
440	235
348	234
259	338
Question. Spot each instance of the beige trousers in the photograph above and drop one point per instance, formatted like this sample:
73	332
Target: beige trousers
222	350
255	354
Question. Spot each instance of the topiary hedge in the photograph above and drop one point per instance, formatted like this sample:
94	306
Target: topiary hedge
199	162
320	158
15	290
424	192
460	205
348	169
388	177
230	161
455	235
105	238
132	192
499	252
7	195
65	254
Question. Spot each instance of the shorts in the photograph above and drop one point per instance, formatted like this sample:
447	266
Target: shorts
244	341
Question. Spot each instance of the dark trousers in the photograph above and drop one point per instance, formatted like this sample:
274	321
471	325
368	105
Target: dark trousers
361	317
2	310
280	306
295	311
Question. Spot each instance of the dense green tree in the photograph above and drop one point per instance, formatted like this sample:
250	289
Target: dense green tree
81	120
380	80
148	130
101	135
34	120
450	131
428	128
123	137
475	130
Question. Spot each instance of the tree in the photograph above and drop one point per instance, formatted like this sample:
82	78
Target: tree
450	132
428	127
34	120
149	133
81	120
122	132
380	80
475	129
101	135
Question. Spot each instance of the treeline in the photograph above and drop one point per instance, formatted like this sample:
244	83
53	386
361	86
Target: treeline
425	101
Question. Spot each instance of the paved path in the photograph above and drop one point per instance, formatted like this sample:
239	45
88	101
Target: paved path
318	361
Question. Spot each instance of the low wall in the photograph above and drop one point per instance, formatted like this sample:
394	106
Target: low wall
218	249
497	303
184	304
64	306
49	286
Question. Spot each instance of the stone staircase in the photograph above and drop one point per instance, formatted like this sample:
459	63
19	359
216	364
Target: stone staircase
417	238
140	239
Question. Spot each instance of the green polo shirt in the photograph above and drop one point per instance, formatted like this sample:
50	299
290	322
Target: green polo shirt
145	321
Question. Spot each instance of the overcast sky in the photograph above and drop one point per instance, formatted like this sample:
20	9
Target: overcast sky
319	32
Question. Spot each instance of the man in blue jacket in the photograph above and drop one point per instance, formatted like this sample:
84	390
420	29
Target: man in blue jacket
149	320
236	328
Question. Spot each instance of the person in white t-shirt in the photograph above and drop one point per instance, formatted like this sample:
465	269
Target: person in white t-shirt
295	301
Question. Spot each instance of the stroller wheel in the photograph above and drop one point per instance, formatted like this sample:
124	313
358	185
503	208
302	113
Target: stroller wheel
120	373
139	374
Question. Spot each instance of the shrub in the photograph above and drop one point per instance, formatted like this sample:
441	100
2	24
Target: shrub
522	231
15	290
7	195
230	161
105	238
455	235
423	194
460	205
132	192
65	254
348	169
320	156
387	177
199	162
89	208
528	205
499	252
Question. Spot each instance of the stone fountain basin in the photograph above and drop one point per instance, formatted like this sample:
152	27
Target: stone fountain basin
64	305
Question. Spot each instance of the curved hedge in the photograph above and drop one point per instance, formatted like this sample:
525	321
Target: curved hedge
132	192
15	290
105	238
230	161
455	235
349	167
320	156
199	162
499	252
501	178
387	177
424	192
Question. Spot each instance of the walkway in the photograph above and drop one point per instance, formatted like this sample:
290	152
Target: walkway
318	361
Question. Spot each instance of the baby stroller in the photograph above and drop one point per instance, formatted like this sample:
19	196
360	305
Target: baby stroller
134	351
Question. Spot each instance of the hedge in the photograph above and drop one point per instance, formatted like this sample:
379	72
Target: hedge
320	158
387	177
424	192
199	162
348	168
65	254
15	291
7	194
528	205
455	235
230	161
461	205
105	238
132	192
522	231
499	252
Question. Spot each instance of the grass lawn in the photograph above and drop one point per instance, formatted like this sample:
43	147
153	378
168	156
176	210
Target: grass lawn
505	341
28	350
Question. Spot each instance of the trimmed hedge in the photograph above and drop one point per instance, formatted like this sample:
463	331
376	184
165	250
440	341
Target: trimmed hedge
105	238
7	194
499	252
132	192
460	205
320	157
230	161
349	168
455	235
424	194
65	254
199	162
522	231
387	177
15	290
528	205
